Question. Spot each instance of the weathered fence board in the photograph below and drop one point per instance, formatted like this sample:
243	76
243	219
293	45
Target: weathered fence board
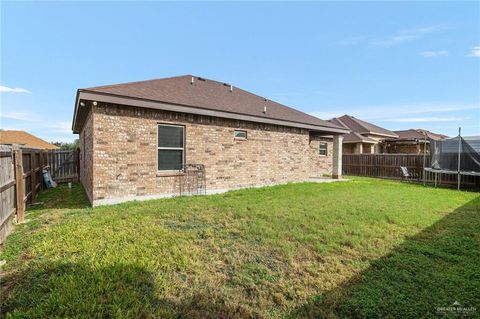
7	191
388	166
64	165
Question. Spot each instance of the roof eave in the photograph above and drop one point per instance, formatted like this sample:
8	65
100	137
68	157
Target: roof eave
379	134
84	94
75	111
356	142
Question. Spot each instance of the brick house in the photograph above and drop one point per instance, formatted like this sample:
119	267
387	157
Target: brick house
364	137
136	138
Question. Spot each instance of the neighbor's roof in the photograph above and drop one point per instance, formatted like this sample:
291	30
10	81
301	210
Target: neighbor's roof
197	95
418	134
354	137
433	136
362	127
25	139
410	135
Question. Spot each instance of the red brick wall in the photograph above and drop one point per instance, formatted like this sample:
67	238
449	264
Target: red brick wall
86	155
125	149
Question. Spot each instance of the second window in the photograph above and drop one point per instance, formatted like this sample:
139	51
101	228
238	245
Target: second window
323	149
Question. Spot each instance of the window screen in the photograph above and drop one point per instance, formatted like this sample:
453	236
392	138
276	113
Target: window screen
323	149
170	136
240	134
170	147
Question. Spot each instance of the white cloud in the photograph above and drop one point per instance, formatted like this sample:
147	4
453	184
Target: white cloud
350	41
404	36
433	54
386	111
60	138
47	128
6	89
475	52
61	127
19	116
426	119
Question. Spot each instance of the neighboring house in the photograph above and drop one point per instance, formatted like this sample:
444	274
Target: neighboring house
24	139
412	141
136	137
364	137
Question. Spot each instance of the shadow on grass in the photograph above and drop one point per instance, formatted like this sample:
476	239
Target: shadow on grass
62	197
74	290
70	290
434	269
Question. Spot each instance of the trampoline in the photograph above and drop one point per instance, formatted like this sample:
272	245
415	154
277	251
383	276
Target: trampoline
455	156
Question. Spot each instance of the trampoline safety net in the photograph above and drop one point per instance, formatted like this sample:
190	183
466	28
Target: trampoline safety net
444	154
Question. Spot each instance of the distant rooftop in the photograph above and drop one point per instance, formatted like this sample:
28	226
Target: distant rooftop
25	139
419	134
359	128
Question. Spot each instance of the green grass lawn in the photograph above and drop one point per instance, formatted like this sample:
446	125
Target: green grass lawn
361	249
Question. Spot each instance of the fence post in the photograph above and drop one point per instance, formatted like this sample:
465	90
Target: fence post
19	186
77	163
33	177
41	160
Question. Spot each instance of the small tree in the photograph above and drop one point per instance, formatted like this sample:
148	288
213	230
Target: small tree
67	146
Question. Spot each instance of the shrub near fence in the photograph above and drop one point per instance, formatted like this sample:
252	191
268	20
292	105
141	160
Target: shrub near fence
388	166
21	179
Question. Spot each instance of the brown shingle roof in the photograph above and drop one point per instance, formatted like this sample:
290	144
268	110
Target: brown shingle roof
409	135
25	139
433	136
362	127
209	95
418	134
354	137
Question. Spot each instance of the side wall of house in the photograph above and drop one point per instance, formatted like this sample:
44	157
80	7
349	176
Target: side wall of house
125	153
348	148
86	156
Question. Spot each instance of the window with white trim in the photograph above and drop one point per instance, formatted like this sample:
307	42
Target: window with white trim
170	147
240	134
323	149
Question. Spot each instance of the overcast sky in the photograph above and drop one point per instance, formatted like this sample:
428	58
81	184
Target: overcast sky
397	65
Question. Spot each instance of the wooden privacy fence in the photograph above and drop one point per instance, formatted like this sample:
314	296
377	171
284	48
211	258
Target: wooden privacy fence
388	166
21	179
383	165
7	190
64	165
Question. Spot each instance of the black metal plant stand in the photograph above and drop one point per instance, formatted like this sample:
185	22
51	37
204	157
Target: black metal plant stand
192	180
